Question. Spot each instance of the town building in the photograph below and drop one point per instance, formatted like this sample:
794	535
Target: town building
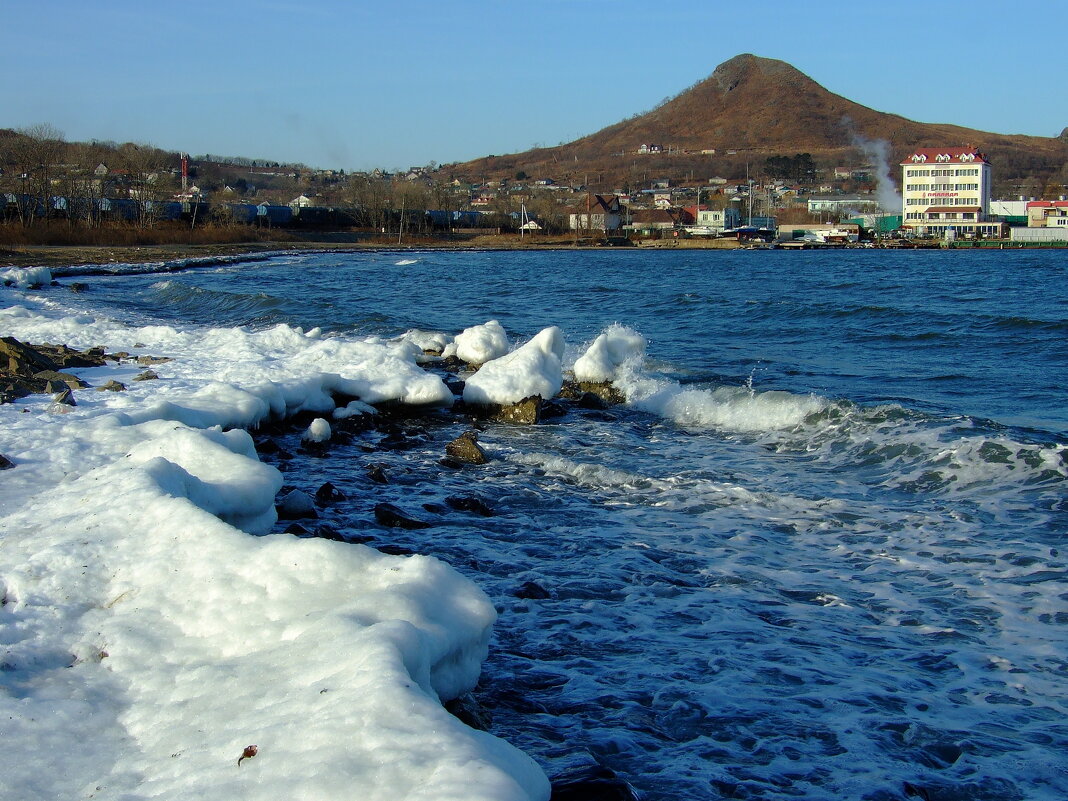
842	204
1047	214
604	214
946	193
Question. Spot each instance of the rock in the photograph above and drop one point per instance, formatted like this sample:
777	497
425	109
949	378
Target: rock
470	711
67	358
5	463
22	360
148	360
606	391
394	517
65	397
532	591
469	503
328	493
297	530
591	782
395	550
377	473
466	449
112	386
78	287
297	505
525	412
55	377
147	375
436	508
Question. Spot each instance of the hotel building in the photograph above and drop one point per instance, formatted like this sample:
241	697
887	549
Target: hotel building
946	193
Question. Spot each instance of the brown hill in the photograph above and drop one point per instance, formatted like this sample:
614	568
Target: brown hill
759	107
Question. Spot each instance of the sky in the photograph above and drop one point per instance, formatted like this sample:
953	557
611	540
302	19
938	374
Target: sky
358	85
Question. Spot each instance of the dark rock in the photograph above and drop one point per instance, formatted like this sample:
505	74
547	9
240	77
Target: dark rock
377	473
112	386
64	397
325	532
395	550
297	505
455	385
5	463
604	390
466	449
147	375
21	359
532	591
591	400
525	412
394	517
469	503
328	493
470	711
149	360
78	287
591	782
552	408
67	358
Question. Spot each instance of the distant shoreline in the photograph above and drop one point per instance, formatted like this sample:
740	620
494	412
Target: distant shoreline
103	255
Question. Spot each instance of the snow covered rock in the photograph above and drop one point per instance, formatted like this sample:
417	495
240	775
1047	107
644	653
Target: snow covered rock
533	369
480	343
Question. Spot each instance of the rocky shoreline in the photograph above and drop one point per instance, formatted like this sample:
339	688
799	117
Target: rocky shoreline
28	369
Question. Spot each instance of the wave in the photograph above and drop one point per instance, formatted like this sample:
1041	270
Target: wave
213	305
170	266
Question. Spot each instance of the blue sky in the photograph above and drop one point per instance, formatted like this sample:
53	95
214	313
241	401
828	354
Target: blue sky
357	85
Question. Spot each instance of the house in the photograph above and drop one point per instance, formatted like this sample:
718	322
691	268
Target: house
946	191
301	202
645	149
601	213
649	220
1047	213
719	220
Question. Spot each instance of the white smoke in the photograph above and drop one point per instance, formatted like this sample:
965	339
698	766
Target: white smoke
878	151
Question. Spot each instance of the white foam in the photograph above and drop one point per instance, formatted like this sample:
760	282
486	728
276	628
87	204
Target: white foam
616	346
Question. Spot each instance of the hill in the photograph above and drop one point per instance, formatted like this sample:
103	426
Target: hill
751	108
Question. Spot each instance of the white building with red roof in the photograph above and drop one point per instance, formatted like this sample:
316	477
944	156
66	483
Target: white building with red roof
946	192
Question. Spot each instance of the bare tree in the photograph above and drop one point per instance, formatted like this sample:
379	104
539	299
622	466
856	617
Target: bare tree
36	155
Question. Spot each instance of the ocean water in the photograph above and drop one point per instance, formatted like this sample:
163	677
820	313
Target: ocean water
821	553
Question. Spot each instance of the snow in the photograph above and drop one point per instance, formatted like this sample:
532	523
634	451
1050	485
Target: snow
534	368
318	431
480	344
147	637
26	276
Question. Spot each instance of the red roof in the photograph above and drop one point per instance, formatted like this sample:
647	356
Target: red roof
929	155
1048	204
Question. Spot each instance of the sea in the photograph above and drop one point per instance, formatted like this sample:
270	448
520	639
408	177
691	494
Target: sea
823	556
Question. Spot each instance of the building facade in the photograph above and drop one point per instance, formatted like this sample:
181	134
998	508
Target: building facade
946	192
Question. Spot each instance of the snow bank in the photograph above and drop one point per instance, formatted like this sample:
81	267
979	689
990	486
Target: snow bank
532	369
26	276
147	639
480	344
616	346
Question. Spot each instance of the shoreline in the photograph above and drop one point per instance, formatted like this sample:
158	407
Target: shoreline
102	255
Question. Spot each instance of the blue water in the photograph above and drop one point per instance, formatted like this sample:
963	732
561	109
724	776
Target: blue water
831	567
